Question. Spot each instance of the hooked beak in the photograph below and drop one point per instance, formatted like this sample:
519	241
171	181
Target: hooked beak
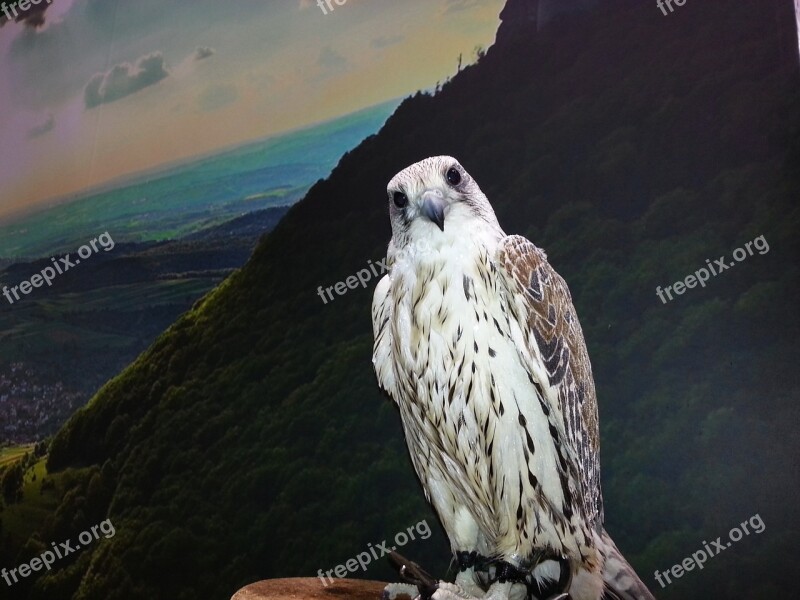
433	204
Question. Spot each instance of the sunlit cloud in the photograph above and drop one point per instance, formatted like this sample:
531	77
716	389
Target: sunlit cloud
40	130
386	40
203	52
125	79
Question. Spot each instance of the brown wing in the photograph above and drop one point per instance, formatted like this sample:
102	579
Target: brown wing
548	317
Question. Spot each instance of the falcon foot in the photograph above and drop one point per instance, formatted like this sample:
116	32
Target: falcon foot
510	583
498	591
402	591
506	591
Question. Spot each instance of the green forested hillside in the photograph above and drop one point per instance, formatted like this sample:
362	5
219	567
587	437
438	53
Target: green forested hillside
251	441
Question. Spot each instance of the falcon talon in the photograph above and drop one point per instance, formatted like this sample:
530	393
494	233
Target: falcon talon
450	591
394	590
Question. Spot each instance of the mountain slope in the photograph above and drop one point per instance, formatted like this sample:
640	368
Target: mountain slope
250	440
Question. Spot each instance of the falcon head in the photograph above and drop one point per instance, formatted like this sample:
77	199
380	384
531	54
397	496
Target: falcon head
432	195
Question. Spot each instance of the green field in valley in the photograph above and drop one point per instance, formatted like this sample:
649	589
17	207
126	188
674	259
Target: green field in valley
12	454
19	520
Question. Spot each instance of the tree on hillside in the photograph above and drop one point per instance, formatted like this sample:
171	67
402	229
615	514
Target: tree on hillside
11	483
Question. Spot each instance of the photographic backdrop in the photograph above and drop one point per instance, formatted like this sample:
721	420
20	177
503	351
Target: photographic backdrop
183	413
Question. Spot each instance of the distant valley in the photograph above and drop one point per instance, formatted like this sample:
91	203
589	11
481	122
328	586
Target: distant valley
60	344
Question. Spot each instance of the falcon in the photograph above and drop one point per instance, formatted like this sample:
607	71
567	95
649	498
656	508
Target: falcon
478	344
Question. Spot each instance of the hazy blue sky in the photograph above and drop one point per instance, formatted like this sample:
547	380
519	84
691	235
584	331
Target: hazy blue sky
111	87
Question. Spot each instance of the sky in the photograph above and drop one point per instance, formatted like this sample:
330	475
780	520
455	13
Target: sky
107	88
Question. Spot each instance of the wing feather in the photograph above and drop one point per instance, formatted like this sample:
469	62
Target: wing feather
546	308
382	311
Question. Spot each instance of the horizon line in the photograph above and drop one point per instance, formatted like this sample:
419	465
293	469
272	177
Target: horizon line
128	179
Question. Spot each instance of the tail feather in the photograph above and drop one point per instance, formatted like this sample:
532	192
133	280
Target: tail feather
620	581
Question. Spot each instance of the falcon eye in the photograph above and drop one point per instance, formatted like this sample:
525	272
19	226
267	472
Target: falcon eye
400	199
453	176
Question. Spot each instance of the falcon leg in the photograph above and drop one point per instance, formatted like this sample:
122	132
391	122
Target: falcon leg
509	585
463	532
465	579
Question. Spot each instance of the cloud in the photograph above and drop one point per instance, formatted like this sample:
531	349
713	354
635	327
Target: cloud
330	60
203	52
125	79
217	96
41	129
386	40
331	64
